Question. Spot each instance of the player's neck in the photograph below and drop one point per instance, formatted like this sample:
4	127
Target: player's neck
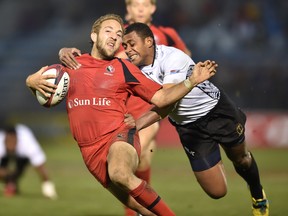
150	58
98	55
148	23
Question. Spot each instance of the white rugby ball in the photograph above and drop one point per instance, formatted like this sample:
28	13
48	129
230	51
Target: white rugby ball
62	81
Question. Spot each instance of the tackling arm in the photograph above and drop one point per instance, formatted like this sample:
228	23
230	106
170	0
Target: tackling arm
201	72
67	57
152	116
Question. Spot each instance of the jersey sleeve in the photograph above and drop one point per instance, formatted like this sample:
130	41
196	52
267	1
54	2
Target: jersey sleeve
2	145
178	42
141	85
28	146
176	66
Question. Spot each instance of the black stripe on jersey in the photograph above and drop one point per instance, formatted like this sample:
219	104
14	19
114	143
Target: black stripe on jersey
131	134
170	41
127	74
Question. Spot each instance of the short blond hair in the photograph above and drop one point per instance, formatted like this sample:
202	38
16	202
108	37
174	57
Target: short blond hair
97	24
128	2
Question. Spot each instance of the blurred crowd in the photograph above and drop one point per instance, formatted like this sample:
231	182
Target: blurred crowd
228	25
247	37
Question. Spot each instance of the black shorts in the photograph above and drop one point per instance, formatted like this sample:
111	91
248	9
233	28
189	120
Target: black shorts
15	166
224	125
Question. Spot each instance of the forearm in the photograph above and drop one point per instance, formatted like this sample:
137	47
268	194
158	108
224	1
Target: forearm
152	116
168	96
28	84
200	73
147	119
42	172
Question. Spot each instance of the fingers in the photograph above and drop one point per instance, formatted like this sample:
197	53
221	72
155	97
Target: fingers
46	94
213	72
48	87
41	82
42	69
69	60
45	87
211	66
67	57
76	52
129	120
48	76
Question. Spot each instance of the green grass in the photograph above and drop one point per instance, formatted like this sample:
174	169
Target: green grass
81	195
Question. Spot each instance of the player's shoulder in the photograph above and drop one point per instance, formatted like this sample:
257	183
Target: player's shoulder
22	129
164	52
83	57
125	62
168	55
166	28
2	146
169	31
2	136
162	28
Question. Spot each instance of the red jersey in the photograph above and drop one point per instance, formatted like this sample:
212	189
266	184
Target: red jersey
167	36
97	96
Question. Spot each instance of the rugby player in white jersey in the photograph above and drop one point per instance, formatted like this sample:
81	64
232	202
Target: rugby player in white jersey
18	148
205	118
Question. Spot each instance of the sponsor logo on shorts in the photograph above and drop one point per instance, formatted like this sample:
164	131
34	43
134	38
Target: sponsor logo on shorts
239	129
189	151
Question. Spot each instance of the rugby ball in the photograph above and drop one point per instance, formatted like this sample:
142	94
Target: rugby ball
62	81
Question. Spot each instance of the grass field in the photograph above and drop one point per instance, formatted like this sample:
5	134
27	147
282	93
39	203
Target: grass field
81	195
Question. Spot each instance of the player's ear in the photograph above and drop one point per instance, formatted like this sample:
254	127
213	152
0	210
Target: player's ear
128	9
153	9
149	41
93	36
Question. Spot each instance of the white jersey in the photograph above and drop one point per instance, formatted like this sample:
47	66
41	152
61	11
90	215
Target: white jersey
171	65
27	145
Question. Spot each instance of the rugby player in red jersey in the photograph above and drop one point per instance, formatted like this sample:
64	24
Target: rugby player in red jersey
96	108
139	11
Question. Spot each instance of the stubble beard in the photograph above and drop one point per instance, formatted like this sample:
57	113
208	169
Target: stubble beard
103	52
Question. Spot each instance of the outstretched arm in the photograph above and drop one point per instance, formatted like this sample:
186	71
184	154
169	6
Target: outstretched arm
152	116
201	72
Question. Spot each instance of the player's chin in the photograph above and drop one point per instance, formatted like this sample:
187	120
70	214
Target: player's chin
142	19
135	60
110	54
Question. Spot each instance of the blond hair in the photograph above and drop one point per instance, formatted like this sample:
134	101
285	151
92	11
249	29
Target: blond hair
128	2
97	24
